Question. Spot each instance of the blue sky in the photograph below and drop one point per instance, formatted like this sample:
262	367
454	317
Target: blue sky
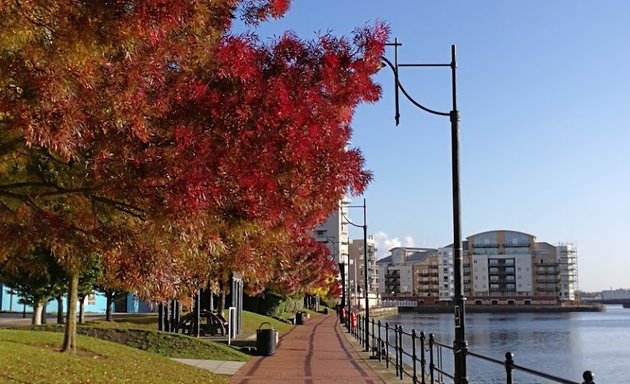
544	94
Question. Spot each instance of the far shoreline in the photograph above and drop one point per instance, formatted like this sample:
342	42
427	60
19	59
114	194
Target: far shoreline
472	308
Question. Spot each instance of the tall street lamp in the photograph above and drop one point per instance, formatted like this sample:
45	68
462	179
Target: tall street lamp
460	347
342	273
365	274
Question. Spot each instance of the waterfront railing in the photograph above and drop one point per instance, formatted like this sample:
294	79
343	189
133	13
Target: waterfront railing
425	355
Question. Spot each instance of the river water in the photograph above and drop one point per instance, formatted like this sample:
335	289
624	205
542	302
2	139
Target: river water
560	344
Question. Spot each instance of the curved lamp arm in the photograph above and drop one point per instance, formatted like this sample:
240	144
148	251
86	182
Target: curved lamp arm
350	222
411	99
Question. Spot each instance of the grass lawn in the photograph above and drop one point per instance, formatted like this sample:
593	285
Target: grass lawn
162	343
252	321
34	357
139	331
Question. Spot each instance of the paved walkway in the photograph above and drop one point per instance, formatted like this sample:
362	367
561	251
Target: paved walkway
216	366
316	352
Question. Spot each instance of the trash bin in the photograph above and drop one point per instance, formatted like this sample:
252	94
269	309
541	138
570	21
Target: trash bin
299	318
265	340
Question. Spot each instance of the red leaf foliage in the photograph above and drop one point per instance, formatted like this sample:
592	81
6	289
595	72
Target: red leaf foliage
186	151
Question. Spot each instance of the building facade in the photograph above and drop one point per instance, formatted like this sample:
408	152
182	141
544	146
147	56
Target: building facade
356	265
94	303
409	271
334	233
510	267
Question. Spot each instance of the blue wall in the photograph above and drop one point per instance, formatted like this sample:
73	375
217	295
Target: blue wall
96	303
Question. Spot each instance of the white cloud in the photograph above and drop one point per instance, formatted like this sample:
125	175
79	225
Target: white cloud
384	243
409	241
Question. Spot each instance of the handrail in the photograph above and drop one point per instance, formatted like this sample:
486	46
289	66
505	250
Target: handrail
416	368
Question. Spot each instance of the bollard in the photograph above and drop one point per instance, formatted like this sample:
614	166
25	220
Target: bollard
588	377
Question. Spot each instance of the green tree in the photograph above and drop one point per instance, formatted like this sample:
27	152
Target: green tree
35	277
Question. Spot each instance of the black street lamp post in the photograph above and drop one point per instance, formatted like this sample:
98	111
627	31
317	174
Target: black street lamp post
342	273
365	272
460	347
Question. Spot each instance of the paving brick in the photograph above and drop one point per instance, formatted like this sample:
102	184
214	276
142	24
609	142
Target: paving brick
316	352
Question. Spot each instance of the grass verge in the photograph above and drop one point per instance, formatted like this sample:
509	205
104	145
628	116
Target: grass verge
34	357
162	343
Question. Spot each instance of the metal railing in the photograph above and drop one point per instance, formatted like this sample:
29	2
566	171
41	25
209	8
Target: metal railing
387	345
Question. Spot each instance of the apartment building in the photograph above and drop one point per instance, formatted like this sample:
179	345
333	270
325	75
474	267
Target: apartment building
334	233
510	267
409	271
356	265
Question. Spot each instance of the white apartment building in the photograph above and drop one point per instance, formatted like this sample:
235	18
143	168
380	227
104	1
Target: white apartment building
445	273
567	268
334	233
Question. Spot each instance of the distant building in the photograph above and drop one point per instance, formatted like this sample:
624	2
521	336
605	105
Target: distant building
499	267
334	233
509	267
356	271
409	271
617	294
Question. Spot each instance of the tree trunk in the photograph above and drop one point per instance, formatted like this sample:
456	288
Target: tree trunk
70	334
60	319
222	302
44	305
82	309
110	301
37	312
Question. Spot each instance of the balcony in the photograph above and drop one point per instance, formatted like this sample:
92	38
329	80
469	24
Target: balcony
489	245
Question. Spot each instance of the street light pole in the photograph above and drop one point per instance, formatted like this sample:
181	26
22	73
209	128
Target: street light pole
365	271
460	347
342	273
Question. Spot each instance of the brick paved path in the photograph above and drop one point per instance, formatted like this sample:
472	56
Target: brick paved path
316	352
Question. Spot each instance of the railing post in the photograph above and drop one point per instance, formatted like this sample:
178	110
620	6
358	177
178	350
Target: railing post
423	362
380	342
588	377
431	362
509	366
387	345
400	351
396	346
413	354
373	335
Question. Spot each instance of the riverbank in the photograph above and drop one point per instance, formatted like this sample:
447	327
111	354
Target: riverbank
505	308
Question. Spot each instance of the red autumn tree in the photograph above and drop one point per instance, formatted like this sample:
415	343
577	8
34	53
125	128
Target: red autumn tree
141	129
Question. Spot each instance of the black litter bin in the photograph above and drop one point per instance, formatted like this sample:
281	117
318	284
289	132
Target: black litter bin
299	318
265	340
